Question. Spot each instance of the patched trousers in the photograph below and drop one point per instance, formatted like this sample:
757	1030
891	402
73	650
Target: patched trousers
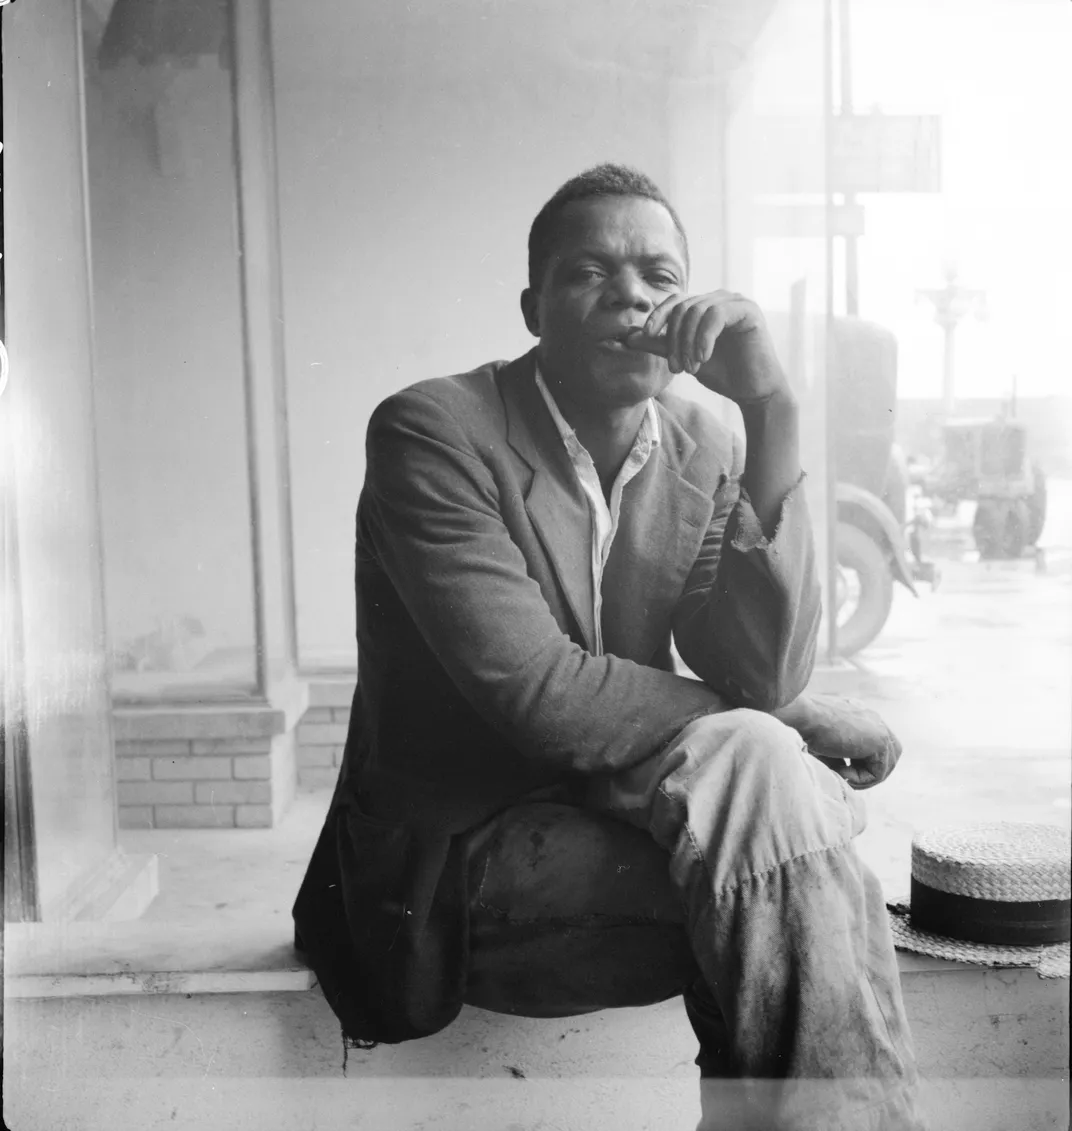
722	869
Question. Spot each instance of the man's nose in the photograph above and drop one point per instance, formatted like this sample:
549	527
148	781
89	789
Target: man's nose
628	289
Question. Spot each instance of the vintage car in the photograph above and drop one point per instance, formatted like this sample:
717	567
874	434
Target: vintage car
871	481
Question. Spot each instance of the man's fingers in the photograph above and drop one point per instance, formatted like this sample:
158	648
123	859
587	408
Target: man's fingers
859	775
712	323
687	328
656	323
673	335
689	346
699	332
639	340
680	330
666	344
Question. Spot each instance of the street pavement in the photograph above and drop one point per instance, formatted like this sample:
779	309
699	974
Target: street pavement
976	680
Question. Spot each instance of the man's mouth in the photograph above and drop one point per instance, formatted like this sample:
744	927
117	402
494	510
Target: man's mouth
620	339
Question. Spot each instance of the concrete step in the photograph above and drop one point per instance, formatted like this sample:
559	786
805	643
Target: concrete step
242	1051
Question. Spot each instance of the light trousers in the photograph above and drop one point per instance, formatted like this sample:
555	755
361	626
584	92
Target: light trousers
738	885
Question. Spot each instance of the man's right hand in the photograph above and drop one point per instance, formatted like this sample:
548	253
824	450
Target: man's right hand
722	339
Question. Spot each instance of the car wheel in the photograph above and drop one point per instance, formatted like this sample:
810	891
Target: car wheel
865	589
1000	528
1036	506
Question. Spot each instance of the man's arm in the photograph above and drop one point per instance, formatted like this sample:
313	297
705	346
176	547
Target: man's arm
772	454
435	527
749	619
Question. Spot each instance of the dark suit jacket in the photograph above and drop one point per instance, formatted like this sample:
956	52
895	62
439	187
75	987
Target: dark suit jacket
476	680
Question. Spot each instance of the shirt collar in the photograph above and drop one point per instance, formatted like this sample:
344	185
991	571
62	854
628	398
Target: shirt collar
650	430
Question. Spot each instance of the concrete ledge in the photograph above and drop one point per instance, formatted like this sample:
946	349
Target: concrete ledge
237	1035
185	983
271	1060
155	724
234	954
333	691
496	1101
224	956
287	701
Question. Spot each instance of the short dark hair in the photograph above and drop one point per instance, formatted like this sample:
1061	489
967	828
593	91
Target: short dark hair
601	180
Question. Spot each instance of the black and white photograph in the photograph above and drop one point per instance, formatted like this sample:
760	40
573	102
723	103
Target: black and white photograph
536	565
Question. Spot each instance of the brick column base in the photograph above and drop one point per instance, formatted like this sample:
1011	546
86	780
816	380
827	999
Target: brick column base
322	732
205	767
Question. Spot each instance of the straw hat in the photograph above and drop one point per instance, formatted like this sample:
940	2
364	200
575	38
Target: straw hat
995	894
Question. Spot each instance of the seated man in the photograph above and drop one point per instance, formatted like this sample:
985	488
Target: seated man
533	538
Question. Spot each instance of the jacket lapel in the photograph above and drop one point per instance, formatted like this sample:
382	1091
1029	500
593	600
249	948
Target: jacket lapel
663	522
555	502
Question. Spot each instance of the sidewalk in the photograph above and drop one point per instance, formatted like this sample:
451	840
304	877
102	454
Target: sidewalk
976	680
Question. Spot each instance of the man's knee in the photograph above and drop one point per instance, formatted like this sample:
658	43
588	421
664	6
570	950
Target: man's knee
749	773
748	742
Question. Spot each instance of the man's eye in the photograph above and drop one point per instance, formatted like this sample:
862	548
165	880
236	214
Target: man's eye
588	273
662	279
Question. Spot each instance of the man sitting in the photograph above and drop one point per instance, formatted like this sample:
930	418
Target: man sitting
526	773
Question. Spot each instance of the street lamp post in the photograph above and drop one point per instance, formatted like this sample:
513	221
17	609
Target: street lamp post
952	304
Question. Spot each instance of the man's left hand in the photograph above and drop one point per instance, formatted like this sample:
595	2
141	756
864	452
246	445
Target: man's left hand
844	734
721	338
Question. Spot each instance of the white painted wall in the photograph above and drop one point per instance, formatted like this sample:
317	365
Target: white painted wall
409	179
169	401
415	145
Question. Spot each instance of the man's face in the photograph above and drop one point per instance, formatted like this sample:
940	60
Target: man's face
615	259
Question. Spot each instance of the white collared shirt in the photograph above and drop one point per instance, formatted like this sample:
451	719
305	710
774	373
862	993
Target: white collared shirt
604	518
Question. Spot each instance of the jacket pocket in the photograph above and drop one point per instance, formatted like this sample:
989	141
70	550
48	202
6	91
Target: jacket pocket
372	869
406	922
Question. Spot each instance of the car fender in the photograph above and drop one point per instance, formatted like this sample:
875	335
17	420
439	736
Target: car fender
870	514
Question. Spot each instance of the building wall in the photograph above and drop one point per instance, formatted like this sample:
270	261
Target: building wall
170	408
414	148
407	195
413	151
407	190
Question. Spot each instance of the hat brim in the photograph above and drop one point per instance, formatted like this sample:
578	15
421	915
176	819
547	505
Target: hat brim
1049	961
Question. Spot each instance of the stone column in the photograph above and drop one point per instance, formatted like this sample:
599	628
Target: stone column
55	672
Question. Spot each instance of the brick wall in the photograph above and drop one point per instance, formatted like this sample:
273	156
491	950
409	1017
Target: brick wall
322	733
194	783
227	768
206	768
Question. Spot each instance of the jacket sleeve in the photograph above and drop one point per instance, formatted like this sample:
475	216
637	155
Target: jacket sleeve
433	524
748	620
